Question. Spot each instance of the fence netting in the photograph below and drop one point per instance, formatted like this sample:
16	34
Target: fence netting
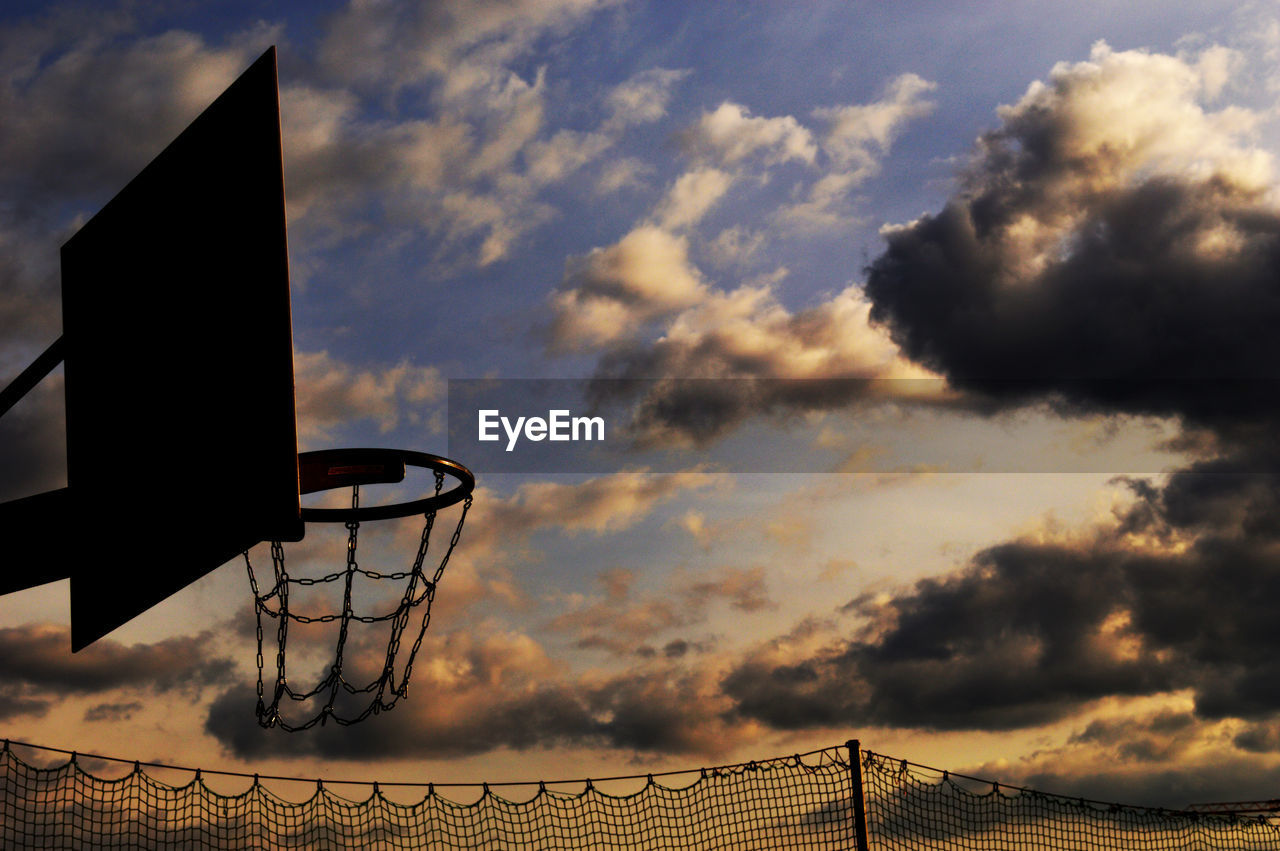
809	801
909	806
789	802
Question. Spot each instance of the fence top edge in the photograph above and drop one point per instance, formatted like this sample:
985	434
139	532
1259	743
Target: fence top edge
832	752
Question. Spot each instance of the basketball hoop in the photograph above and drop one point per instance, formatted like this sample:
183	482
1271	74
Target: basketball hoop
337	468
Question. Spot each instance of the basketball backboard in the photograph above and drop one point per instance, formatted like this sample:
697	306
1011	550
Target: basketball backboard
181	431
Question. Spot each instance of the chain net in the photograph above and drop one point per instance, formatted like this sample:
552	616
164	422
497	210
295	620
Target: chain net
912	807
789	802
319	704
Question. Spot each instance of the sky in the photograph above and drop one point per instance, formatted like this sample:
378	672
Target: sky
978	302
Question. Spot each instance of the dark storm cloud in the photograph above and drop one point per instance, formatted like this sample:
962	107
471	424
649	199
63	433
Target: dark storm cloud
1263	737
18	699
1097	256
1225	779
547	716
112	711
700	411
681	648
1236	493
1154	739
655	710
1132	320
1016	640
39	670
1174	594
39	656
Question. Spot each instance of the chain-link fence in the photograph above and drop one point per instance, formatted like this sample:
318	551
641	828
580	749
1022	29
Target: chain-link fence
834	798
915	808
789	802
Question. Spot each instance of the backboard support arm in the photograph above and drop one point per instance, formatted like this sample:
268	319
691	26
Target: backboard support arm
31	376
41	516
36	530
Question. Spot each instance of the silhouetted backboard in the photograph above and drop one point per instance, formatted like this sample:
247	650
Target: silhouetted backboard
181	430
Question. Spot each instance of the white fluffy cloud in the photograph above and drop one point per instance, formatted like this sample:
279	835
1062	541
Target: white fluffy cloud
825	357
644	96
825	205
471	174
736	246
730	134
691	196
857	140
645	275
645	304
859	133
94	112
331	393
100	102
1132	114
380	44
473	179
747	332
564	153
1114	121
611	295
453	174
622	173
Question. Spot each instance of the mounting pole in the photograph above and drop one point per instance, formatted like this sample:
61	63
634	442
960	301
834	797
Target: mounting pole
859	801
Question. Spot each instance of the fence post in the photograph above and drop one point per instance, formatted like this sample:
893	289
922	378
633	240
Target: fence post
859	800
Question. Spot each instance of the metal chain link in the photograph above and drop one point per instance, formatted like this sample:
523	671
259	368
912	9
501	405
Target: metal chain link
418	590
426	615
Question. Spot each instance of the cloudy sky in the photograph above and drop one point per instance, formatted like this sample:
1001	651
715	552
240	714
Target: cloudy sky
997	285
